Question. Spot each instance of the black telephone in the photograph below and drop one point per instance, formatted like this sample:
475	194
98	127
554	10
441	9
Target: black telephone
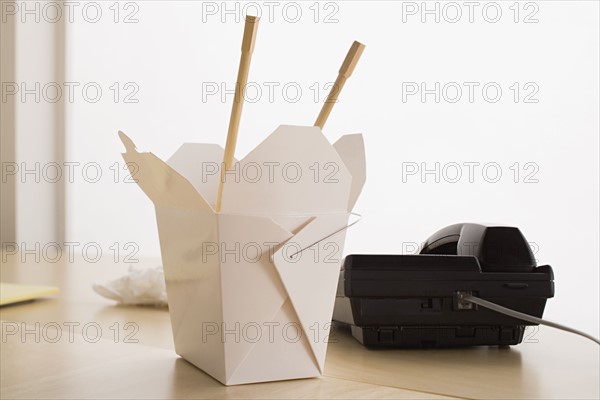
413	300
498	248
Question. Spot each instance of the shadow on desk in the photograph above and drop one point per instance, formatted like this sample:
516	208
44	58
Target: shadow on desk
475	372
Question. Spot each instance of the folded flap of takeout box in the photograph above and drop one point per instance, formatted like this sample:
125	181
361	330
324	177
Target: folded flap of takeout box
351	149
252	292
310	283
161	183
200	163
264	361
295	170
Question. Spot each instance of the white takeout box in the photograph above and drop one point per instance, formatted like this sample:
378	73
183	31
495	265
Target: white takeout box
246	306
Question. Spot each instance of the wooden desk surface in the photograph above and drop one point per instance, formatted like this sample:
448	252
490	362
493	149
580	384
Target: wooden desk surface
549	364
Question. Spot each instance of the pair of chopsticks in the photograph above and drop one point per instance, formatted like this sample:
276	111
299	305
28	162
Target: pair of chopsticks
250	28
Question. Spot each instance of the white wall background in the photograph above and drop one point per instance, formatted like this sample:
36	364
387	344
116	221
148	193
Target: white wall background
38	121
170	52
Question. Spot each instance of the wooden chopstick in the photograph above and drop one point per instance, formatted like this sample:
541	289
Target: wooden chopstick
250	28
345	72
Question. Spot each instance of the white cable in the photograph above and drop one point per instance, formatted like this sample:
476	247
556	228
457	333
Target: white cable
524	317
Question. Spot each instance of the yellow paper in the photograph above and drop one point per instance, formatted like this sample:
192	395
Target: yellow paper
14	293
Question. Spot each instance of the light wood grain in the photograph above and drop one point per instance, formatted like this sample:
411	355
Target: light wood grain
77	302
80	370
550	364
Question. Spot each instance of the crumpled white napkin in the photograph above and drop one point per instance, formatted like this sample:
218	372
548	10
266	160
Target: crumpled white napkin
139	287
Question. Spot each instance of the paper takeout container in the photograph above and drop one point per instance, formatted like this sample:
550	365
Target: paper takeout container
246	306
